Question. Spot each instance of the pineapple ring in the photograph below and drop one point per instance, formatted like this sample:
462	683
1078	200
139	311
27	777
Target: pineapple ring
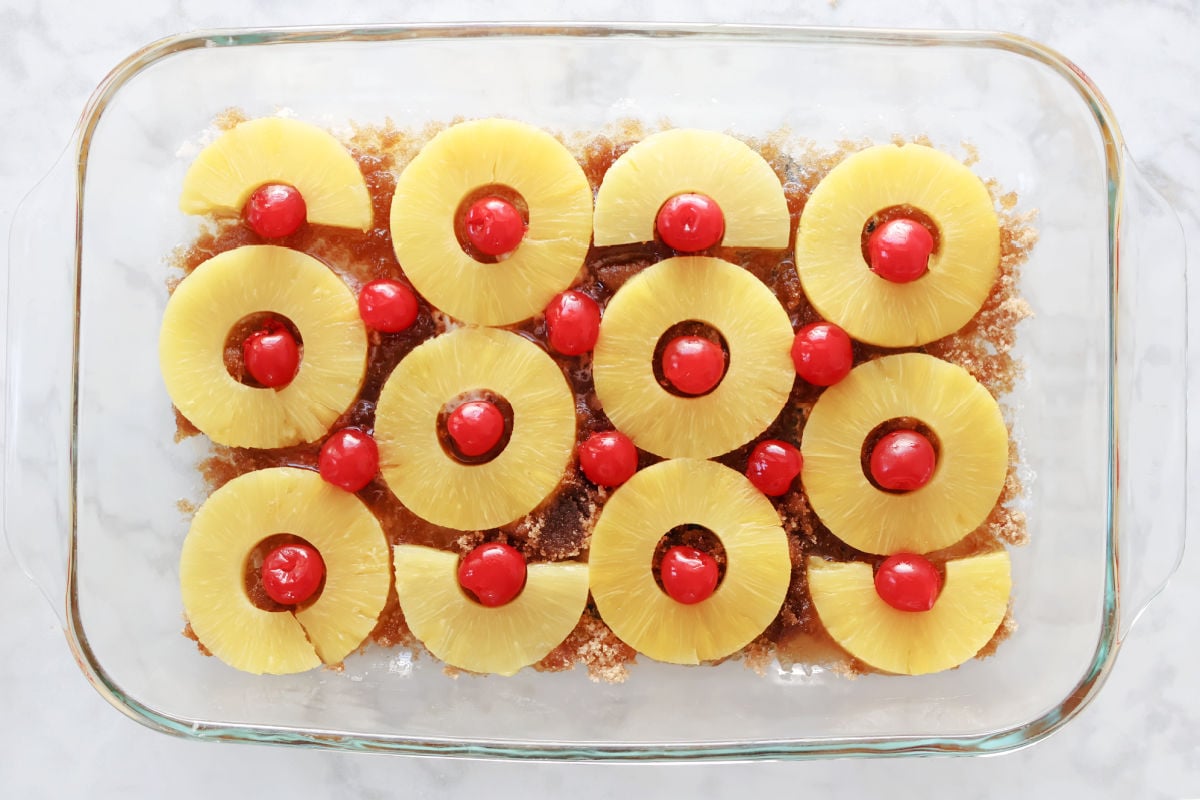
966	482
655	500
872	309
277	150
473	637
964	618
226	529
228	287
463	158
755	387
686	160
444	491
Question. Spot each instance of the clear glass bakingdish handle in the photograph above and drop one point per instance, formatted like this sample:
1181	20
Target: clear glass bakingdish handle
1151	395
42	309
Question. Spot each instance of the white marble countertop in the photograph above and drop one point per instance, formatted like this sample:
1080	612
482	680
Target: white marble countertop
1139	738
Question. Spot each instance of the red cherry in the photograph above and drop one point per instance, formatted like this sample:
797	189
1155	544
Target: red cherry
292	573
908	582
494	226
493	572
572	323
773	466
387	306
899	250
275	210
902	461
349	459
693	365
608	458
822	353
271	355
688	575
690	223
476	427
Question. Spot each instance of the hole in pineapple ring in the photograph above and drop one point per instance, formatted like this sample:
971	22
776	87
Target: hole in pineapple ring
235	362
886	215
488	396
691	327
897	424
499	190
252	574
696	536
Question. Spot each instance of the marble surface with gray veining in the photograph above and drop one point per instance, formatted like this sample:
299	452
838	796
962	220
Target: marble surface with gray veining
1139	738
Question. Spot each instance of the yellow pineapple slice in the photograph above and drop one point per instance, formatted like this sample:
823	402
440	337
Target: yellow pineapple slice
756	384
238	283
685	160
443	490
467	157
839	282
638	514
964	618
971	466
474	637
277	150
235	519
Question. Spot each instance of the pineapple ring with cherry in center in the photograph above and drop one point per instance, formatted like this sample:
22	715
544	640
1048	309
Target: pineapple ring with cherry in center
666	495
277	150
228	287
681	160
971	467
466	157
471	636
839	283
436	486
963	619
751	394
251	508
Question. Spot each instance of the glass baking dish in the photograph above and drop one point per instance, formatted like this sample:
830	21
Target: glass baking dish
93	476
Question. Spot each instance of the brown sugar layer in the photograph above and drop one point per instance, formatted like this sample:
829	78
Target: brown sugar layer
560	529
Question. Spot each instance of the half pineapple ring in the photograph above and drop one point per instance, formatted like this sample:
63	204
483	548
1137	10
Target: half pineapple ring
839	282
276	150
971	466
757	570
250	508
971	606
235	284
439	488
471	636
685	160
755	387
466	157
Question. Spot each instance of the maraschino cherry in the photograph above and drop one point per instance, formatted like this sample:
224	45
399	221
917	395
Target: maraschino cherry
908	582
494	226
772	467
271	355
475	427
275	210
608	458
690	222
349	459
494	573
387	306
572	323
292	573
902	461
822	353
899	250
688	575
693	364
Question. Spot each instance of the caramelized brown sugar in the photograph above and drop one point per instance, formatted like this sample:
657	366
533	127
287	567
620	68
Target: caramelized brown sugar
561	527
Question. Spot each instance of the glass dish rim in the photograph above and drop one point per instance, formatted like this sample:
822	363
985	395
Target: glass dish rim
996	741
